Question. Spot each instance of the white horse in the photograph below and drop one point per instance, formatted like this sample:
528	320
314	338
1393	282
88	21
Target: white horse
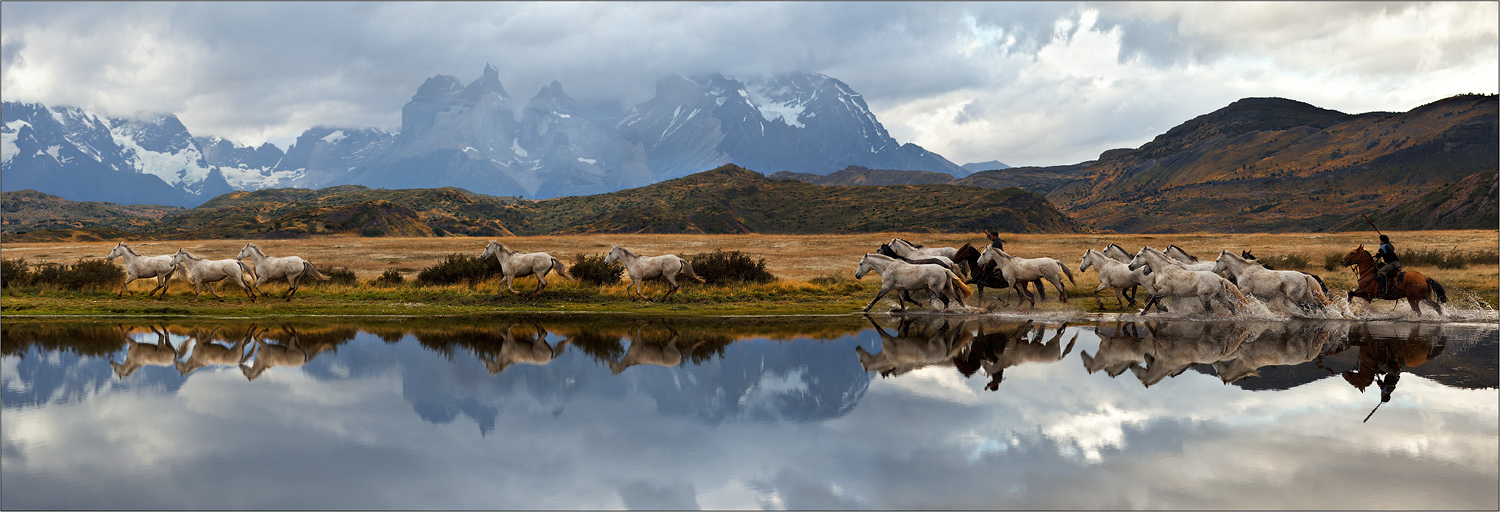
1017	269
641	268
1297	288
203	270
270	355
522	264
138	354
1172	280
291	268
1117	253
140	267
1114	274
900	275
532	350
208	353
1187	261
910	250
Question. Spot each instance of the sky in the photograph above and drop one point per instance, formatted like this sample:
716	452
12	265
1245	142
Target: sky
1025	83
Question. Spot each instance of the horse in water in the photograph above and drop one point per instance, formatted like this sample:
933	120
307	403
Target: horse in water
918	259
900	275
1410	284
1016	269
203	270
140	267
1187	261
1172	280
1114	274
1324	286
522	264
1269	285
641	268
989	274
291	268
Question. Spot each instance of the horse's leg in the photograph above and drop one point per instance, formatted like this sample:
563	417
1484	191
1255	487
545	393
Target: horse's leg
882	293
211	290
541	280
161	284
198	289
1057	283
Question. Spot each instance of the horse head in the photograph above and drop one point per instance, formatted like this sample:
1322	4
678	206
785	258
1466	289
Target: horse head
966	253
120	250
1358	256
886	250
1246	255
491	249
249	250
614	254
864	267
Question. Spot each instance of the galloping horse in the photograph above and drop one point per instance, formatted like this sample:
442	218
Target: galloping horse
912	253
900	275
139	267
522	264
1321	285
1016	269
641	268
291	268
203	270
1114	274
1187	261
1410	284
989	275
1269	285
903	246
1172	280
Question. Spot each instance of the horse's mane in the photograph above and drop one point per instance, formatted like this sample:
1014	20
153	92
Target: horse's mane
1184	253
1112	244
128	249
908	242
190	255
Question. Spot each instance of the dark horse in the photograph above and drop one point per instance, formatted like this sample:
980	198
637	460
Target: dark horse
988	275
1410	284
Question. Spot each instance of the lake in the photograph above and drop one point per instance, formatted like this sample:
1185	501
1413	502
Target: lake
560	411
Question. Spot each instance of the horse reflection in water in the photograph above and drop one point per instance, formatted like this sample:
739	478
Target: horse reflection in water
1268	344
523	348
1382	359
207	353
650	351
269	355
139	354
1120	346
918	342
997	351
1180	345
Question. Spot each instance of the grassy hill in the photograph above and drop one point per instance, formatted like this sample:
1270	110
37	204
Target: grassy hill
728	199
1270	164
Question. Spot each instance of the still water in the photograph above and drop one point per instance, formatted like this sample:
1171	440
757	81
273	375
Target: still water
881	412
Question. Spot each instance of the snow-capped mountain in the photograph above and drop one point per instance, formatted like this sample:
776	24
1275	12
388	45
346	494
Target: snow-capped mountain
471	136
799	122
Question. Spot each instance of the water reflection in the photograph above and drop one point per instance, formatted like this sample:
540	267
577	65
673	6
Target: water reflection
550	411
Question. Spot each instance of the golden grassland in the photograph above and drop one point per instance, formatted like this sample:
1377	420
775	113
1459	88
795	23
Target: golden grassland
797	259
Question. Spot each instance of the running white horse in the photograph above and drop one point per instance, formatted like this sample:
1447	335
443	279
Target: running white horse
291	268
522	264
1172	280
1187	261
1113	274
1290	286
1117	253
900	275
203	270
141	267
906	250
1017	269
641	268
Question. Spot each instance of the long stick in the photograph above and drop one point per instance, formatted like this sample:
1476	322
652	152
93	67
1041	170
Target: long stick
1372	224
1372	413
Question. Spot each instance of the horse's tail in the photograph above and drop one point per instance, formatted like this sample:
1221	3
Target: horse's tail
688	268
1068	272
1320	282
1442	295
1321	296
958	285
561	269
1235	291
310	271
246	269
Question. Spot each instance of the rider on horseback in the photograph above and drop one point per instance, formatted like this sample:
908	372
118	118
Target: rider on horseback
1385	273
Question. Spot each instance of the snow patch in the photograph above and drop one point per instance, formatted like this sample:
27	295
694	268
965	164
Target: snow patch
177	169
8	135
589	161
335	137
242	178
562	115
515	147
53	152
720	101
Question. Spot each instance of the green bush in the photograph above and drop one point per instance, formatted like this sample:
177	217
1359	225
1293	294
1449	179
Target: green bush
720	267
591	269
459	268
389	279
1290	261
14	273
339	275
1332	261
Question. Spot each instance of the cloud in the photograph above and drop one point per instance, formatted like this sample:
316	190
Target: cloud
1091	76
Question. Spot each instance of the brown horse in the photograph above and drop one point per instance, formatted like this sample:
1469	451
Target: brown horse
1410	284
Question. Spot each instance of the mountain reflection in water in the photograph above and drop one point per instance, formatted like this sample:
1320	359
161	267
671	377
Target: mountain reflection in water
822	397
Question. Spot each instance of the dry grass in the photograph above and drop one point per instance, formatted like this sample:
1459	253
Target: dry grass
804	257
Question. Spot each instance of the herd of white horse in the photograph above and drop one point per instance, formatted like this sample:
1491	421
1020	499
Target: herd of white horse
1169	276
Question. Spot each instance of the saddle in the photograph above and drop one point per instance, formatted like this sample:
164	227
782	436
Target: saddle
1387	289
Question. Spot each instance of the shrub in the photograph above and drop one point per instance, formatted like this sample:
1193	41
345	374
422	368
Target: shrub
1332	261
14	273
459	268
94	273
725	267
389	278
1290	261
339	275
591	269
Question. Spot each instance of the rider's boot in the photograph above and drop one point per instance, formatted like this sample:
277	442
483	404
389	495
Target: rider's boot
1380	285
